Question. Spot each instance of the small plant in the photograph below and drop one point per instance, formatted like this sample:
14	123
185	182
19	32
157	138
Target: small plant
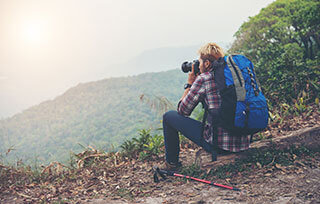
300	106
124	193
152	148
143	147
279	114
128	148
259	136
316	101
144	139
156	103
72	161
155	144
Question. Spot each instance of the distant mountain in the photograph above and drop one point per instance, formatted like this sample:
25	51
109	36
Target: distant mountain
161	59
101	113
16	92
156	60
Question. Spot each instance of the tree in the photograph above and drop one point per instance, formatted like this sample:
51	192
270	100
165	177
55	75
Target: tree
283	41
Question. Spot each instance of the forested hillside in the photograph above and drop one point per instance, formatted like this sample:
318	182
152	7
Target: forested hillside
283	41
281	166
102	114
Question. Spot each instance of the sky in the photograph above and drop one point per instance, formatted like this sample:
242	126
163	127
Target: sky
48	46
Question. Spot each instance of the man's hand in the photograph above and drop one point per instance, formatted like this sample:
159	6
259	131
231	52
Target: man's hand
192	77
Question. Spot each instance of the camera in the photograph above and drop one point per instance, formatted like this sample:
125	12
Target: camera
187	66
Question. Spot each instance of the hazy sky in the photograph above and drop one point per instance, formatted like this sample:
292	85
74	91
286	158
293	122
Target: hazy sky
48	46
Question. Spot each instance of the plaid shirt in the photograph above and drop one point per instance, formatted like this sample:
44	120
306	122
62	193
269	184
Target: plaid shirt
204	88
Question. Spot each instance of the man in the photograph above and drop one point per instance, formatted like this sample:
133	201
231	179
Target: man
200	88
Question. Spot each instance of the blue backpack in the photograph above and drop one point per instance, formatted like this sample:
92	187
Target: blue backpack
244	109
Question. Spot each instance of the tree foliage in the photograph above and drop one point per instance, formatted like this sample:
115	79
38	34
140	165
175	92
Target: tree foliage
102	114
283	41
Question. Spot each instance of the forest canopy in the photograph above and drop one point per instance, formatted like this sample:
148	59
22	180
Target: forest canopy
283	41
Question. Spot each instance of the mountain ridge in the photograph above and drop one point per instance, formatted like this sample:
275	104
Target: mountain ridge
102	113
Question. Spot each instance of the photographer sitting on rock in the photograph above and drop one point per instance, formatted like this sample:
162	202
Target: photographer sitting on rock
201	87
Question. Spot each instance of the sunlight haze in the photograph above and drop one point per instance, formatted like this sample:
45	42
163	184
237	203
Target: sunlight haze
47	47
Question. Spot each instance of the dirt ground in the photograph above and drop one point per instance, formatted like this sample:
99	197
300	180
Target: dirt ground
295	183
298	183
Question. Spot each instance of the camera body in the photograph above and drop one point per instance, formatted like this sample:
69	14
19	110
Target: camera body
187	66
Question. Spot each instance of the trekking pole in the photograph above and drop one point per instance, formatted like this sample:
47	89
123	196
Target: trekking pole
162	173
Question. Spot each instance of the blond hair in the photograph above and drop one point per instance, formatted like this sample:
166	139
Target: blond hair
211	51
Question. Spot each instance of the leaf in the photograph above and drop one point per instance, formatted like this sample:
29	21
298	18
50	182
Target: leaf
300	163
294	156
278	166
23	195
259	165
208	171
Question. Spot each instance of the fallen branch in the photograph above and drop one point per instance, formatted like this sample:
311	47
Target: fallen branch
307	137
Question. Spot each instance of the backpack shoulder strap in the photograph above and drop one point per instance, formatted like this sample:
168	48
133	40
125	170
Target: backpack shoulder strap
218	73
237	79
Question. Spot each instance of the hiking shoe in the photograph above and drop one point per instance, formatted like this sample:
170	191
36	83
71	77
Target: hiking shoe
170	166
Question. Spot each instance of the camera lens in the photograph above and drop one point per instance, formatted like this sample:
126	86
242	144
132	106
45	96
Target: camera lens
186	67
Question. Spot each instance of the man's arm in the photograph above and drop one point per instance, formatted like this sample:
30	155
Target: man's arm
191	97
185	93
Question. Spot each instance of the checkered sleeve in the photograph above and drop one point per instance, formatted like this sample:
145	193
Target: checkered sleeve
191	100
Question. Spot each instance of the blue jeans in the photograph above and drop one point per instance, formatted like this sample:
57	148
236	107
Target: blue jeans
190	128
